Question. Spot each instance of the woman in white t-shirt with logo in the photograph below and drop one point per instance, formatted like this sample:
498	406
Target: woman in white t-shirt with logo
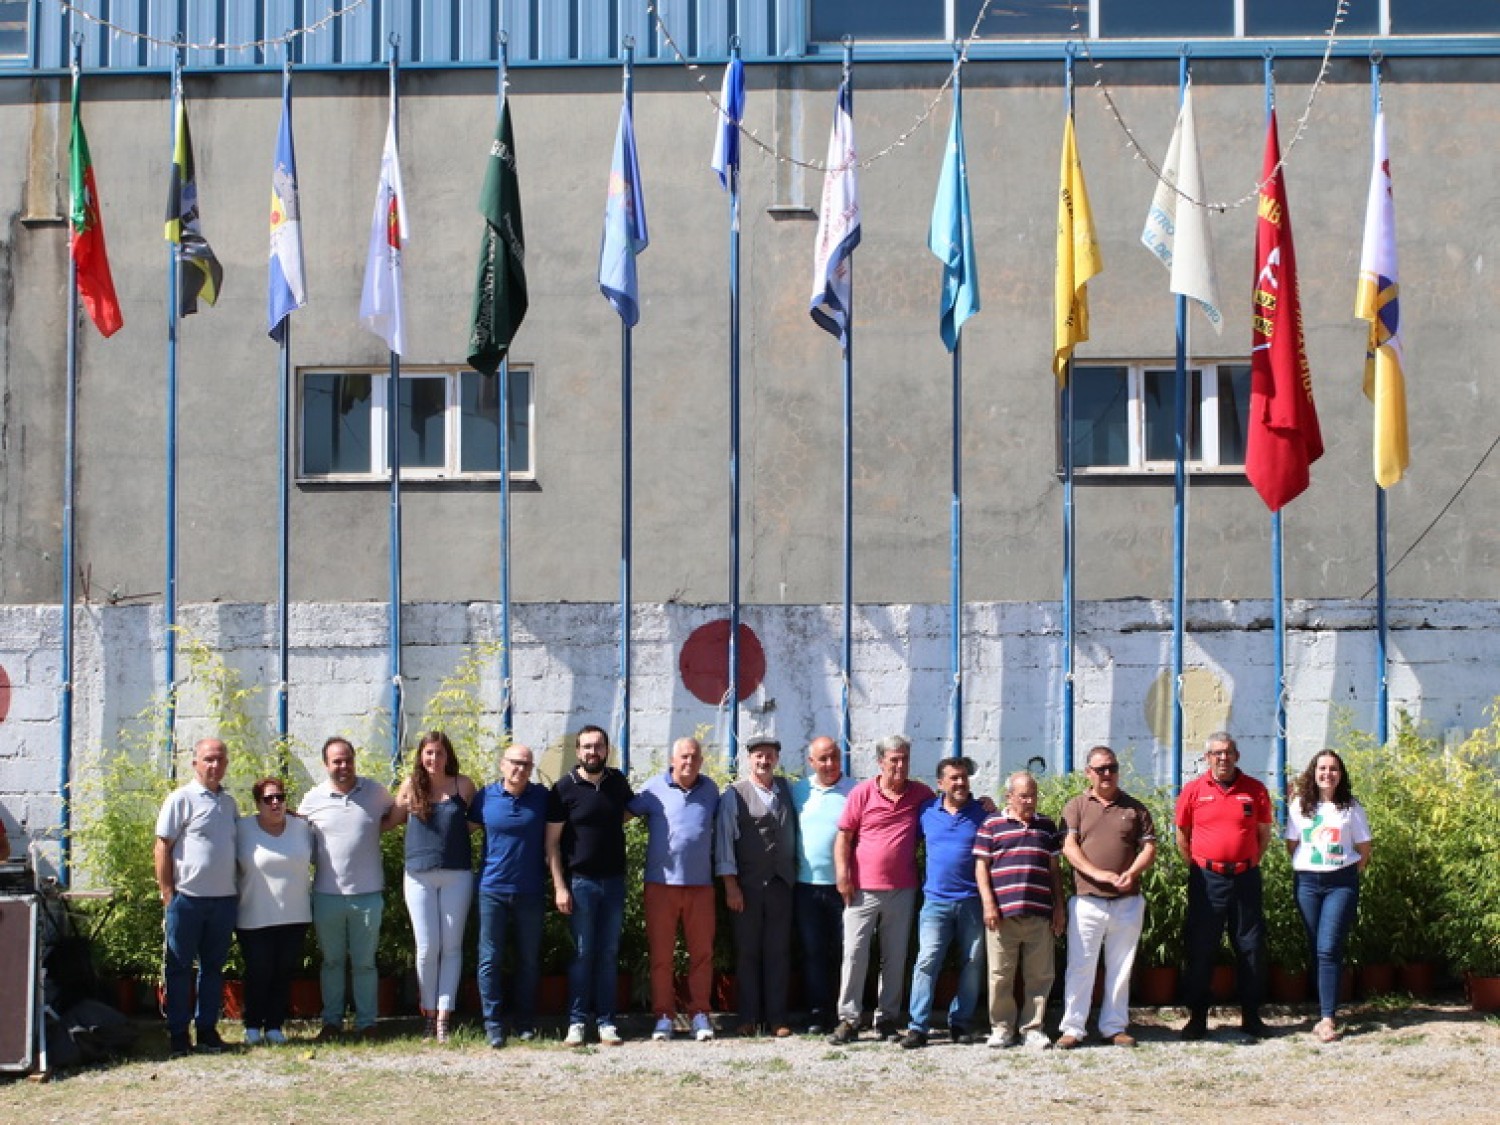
1328	838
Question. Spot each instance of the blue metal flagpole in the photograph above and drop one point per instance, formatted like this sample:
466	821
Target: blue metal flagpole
956	632
174	317
507	704
1068	515
283	514
70	458
1382	606
846	656
393	452
733	748
626	484
1179	502
1278	594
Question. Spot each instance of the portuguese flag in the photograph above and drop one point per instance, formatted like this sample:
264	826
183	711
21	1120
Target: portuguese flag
86	235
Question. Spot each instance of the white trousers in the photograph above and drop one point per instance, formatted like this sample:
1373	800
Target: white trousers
1111	926
438	902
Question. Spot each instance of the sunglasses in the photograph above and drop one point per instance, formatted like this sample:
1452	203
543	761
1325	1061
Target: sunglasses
517	762
1106	769
273	798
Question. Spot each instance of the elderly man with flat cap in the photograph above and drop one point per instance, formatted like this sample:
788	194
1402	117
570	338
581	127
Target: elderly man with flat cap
756	856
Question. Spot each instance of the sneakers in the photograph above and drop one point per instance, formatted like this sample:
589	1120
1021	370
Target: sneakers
1038	1041
846	1032
913	1039
1122	1039
275	1037
496	1038
576	1035
1195	1029
181	1045
527	1035
1001	1038
1068	1043
254	1037
703	1031
663	1030
609	1035
209	1042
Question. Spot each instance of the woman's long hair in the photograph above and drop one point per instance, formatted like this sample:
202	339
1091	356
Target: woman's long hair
1307	785
421	783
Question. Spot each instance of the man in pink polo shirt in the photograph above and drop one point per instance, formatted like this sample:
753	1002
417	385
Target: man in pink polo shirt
875	861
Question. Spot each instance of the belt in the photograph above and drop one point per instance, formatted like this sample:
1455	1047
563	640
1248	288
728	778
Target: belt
1224	868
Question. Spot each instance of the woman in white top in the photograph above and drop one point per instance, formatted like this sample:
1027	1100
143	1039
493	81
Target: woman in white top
275	862
1328	838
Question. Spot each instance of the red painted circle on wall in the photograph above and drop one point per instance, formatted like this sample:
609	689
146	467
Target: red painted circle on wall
5	692
704	663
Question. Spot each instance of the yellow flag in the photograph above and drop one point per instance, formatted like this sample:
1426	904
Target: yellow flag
1377	301
1077	257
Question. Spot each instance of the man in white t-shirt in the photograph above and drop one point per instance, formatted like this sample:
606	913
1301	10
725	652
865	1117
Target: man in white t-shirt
194	861
347	813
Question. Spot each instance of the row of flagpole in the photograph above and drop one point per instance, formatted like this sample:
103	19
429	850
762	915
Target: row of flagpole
1283	441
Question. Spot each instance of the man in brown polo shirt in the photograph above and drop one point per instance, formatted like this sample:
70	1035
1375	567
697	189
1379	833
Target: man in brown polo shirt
1109	840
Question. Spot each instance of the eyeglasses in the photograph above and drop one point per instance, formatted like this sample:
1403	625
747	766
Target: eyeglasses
518	762
272	798
1218	753
1111	768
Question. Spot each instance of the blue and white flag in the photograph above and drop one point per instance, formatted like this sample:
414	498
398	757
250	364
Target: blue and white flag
625	233
286	288
726	161
951	234
838	225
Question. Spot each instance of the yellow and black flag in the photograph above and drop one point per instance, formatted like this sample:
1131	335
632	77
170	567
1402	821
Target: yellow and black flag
199	271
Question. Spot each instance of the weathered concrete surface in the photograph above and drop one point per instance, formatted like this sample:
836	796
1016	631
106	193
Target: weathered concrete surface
1442	672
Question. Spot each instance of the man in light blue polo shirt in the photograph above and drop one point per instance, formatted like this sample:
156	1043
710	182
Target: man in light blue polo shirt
679	808
347	813
819	908
952	913
194	860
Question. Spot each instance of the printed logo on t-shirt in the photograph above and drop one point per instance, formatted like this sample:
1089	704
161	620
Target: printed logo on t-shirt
1326	842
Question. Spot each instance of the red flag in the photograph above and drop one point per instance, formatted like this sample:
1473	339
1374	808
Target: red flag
1284	438
96	286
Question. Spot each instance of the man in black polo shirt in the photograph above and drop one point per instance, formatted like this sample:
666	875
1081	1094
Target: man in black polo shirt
586	816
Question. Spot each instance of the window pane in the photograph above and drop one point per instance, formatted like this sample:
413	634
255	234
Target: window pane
13	29
423	409
1300	17
480	418
1161	413
1234	412
1020	19
1166	19
1443	17
877	19
1101	417
335	424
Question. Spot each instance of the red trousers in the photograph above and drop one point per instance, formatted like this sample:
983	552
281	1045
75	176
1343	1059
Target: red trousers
694	907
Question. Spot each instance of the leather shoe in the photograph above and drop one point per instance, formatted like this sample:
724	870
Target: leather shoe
1123	1039
1067	1042
1195	1029
1255	1028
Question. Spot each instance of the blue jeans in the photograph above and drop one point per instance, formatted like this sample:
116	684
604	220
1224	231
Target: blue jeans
597	918
939	925
819	909
521	914
348	928
198	929
1214	902
1328	901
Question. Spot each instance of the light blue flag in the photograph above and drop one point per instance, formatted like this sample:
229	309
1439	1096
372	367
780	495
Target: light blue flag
951	235
286	288
726	161
625	233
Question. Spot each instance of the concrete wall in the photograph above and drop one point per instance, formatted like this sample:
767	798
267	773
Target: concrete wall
1443	655
1443	117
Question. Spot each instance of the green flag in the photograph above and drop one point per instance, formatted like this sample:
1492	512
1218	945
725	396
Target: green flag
500	285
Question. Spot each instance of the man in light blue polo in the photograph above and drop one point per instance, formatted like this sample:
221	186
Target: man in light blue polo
347	813
952	913
194	859
819	908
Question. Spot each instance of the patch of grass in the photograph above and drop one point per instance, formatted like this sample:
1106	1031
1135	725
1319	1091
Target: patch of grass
834	1056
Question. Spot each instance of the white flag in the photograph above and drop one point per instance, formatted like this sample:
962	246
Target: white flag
380	303
838	226
1176	230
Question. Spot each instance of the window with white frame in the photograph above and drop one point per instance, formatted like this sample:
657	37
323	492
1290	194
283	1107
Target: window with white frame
449	424
1124	417
944	20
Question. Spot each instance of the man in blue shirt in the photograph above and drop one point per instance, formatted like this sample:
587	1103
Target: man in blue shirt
819	908
952	913
679	807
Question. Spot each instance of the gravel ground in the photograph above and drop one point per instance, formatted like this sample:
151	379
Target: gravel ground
1429	1062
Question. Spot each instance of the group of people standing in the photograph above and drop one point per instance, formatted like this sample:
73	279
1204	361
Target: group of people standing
822	857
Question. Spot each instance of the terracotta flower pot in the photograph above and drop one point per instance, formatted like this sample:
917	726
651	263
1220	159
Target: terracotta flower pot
1155	986
1376	980
233	1004
1417	978
1222	983
1483	992
1288	986
306	1002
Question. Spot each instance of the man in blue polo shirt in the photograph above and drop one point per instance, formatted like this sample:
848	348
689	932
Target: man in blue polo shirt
819	798
951	910
679	807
